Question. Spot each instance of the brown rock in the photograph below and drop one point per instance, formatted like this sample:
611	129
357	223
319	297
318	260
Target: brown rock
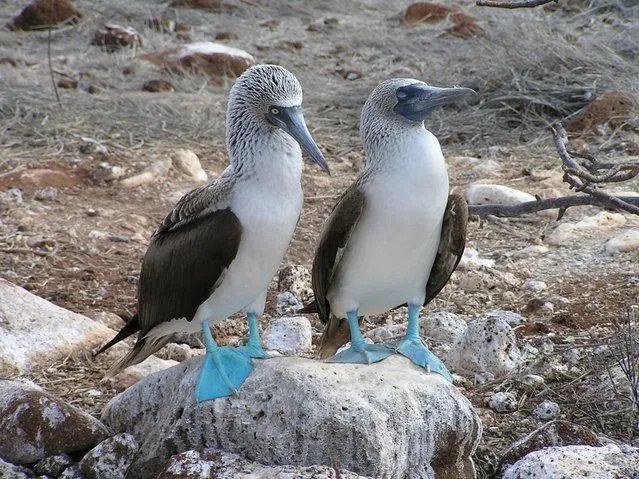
114	37
272	24
36	179
294	45
226	36
40	424
553	433
206	58
14	62
68	83
612	108
426	12
156	86
215	5
464	30
38	14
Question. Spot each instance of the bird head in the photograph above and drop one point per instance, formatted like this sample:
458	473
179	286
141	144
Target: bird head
271	94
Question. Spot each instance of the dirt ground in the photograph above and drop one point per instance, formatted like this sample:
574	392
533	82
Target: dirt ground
80	246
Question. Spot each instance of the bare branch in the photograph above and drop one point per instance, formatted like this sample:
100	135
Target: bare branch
539	205
515	4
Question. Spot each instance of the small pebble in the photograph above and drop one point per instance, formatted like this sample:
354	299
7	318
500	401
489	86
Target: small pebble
503	402
534	286
546	411
48	193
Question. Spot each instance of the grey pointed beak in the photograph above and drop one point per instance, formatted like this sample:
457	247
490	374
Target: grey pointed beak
291	120
415	102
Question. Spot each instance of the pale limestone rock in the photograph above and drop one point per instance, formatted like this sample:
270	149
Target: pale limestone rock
156	170
577	462
40	424
490	194
225	465
111	458
624	242
133	374
289	335
375	420
503	402
601	223
11	471
470	260
534	286
488	345
188	163
546	411
296	279
443	326
34	331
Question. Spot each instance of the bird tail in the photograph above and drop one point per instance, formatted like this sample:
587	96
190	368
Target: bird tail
142	349
336	334
132	326
309	308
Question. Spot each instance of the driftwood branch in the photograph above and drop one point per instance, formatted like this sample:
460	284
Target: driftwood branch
583	178
514	4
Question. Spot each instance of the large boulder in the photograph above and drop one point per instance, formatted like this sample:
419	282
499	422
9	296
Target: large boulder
40	424
35	332
389	419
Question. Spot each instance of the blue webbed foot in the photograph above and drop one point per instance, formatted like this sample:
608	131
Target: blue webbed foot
363	353
415	350
223	372
254	351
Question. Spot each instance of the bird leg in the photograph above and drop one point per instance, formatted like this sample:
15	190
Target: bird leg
414	348
359	352
224	369
254	346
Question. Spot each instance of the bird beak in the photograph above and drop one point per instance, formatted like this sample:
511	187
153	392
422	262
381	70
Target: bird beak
417	101
291	120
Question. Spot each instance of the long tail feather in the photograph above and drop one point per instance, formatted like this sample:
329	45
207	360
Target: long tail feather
132	326
142	349
336	334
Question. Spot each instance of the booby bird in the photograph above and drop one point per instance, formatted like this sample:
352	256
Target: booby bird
395	236
216	252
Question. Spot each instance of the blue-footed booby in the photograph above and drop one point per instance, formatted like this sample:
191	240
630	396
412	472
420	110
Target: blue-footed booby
216	252
396	235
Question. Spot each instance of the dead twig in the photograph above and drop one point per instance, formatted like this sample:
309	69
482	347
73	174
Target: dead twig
516	4
55	87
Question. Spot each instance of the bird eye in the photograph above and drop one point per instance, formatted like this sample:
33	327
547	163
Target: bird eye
275	111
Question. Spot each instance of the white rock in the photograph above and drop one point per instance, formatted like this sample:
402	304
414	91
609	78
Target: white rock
34	331
148	175
624	242
531	251
490	194
287	303
108	319
375	420
443	326
470	260
534	286
577	462
225	465
289	335
546	411
503	402
566	233
187	162
488	345
111	458
11	471
513	319
533	381
133	374
383	334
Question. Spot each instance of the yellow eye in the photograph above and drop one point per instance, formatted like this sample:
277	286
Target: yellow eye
275	111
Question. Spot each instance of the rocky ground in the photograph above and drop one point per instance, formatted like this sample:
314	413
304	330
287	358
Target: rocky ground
83	186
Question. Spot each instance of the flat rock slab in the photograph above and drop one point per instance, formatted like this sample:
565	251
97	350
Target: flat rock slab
386	420
35	332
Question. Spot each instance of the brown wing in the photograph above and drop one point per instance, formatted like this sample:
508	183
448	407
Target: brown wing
334	238
451	245
183	265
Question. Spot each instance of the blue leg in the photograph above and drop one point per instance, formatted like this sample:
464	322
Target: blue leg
254	347
360	352
414	349
223	371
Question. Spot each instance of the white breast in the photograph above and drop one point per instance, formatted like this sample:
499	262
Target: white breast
388	259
